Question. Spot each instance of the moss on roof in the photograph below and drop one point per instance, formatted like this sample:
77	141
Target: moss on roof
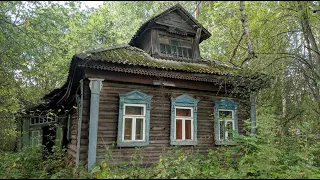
134	56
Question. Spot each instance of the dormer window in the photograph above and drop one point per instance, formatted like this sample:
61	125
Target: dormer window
173	47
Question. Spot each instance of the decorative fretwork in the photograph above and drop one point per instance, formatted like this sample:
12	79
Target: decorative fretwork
40	120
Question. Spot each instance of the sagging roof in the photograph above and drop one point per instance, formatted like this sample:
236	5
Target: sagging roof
129	55
131	58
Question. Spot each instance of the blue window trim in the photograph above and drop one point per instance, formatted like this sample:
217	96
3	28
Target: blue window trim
134	97
225	104
183	101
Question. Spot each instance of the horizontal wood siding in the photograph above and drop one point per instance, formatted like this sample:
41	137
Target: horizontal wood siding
159	120
174	19
85	122
72	145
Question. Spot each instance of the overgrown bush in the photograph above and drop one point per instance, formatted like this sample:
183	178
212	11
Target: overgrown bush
254	156
34	163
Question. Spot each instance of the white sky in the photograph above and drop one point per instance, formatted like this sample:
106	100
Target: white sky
93	4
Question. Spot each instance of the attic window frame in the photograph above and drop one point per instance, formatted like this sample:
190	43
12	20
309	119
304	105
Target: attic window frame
188	49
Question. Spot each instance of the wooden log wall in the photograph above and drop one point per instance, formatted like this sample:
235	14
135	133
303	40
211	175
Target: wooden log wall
159	120
72	146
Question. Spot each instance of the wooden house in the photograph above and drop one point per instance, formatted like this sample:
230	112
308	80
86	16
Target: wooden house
155	92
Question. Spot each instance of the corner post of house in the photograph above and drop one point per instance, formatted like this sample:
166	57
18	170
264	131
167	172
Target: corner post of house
95	87
253	97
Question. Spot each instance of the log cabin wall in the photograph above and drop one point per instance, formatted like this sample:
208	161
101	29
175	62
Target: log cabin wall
72	146
159	120
85	123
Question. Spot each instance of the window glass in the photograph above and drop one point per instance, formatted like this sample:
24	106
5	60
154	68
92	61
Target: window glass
180	52
225	114
174	42
178	129
183	112
229	129
221	130
162	49
128	129
189	53
139	129
174	47
185	52
174	51
168	49
188	129
133	110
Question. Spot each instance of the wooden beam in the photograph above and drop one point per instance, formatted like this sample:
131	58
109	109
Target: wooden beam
196	51
152	80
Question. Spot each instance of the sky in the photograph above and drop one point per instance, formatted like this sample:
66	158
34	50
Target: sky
93	4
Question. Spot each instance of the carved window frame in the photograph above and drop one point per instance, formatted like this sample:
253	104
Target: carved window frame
139	99
225	105
184	101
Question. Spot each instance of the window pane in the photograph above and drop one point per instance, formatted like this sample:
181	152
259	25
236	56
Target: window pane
134	110
162	49
225	114
188	129
174	42
183	112
178	129
221	130
168	49
174	51
127	129
139	129
189	53
229	128
184	52
179	52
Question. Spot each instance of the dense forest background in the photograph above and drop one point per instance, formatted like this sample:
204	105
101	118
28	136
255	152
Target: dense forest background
278	38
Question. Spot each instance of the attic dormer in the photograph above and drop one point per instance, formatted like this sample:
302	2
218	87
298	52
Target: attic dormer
173	34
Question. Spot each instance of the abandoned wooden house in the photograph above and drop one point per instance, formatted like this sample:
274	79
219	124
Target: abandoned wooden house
155	92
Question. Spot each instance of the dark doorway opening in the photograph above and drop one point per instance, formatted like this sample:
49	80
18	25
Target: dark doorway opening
48	138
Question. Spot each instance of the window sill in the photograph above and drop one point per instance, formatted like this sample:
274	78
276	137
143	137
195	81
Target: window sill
132	144
183	143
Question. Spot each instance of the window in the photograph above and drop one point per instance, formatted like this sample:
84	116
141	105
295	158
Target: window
175	48
226	121
183	120
36	138
134	119
134	122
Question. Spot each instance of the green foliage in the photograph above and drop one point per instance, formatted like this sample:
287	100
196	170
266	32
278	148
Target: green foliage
30	163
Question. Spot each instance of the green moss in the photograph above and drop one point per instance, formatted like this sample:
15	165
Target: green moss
134	56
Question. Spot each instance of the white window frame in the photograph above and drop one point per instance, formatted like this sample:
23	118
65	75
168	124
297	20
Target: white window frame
133	125
225	123
183	118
